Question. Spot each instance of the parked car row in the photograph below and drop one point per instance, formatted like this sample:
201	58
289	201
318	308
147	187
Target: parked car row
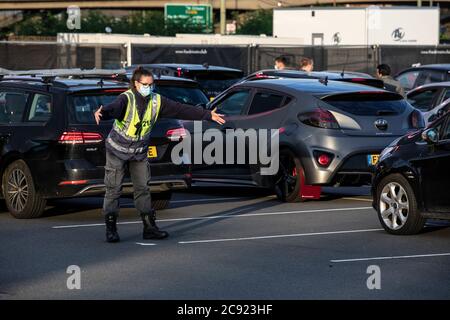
336	129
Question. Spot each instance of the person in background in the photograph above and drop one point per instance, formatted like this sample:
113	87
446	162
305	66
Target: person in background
135	112
280	63
306	64
390	84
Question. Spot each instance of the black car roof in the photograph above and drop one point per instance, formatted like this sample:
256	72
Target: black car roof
167	78
185	66
78	84
441	67
313	86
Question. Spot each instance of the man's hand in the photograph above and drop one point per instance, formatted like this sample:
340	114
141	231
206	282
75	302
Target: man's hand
217	117
98	115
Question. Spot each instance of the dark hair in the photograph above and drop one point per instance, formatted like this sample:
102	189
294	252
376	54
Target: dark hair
384	69
139	72
305	62
281	59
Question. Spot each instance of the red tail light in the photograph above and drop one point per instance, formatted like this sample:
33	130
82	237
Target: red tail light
176	134
78	137
179	72
319	118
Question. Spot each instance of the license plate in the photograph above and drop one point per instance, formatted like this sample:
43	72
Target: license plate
152	152
372	159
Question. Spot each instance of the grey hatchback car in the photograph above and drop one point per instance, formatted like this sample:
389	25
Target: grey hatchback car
331	132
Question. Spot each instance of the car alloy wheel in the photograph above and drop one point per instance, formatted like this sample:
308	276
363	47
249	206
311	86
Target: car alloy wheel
394	205
17	190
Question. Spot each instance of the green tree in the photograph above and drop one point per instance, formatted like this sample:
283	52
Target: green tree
255	23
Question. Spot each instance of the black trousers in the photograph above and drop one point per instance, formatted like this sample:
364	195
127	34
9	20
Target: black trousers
140	177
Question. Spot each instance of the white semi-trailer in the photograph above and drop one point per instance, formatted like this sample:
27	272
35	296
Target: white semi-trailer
372	25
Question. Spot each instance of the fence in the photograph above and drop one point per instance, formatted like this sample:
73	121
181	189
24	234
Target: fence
249	58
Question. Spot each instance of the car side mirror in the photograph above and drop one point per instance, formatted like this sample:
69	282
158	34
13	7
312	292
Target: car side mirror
431	136
440	112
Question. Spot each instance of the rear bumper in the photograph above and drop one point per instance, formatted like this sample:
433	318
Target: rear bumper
156	186
349	165
84	179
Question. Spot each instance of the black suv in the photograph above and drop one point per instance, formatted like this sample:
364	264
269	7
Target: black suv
412	179
213	79
50	146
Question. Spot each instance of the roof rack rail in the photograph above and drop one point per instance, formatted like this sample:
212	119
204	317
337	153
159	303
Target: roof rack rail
63	72
49	75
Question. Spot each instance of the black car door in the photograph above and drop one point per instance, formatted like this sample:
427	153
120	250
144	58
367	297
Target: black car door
13	104
435	171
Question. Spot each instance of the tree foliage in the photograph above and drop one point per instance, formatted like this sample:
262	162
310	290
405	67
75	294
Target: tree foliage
255	23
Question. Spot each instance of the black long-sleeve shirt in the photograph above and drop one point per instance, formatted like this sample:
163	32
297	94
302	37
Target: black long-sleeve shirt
168	109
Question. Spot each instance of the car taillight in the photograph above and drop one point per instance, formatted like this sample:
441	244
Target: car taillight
78	137
176	134
323	158
319	118
179	72
416	120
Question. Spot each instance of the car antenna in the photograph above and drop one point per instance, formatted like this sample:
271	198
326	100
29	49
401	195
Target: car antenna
345	65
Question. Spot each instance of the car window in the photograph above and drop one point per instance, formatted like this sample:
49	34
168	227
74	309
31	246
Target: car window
264	101
85	104
446	95
233	103
367	104
422	100
408	79
41	108
446	130
430	76
12	106
187	95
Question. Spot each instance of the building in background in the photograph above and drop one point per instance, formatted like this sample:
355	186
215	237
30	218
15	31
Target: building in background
372	25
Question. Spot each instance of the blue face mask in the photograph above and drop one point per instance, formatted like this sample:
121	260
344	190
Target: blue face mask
146	90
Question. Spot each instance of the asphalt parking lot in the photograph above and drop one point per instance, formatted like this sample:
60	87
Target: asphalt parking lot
224	244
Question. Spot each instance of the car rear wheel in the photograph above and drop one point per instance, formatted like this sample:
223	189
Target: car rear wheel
161	201
21	197
288	179
397	206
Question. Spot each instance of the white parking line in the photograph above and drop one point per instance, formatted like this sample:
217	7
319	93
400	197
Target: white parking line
221	216
145	244
392	257
280	236
212	199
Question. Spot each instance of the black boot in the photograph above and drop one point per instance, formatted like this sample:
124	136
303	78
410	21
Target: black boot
151	231
111	229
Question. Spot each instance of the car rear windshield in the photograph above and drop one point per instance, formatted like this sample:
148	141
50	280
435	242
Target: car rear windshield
370	104
85	104
187	95
214	82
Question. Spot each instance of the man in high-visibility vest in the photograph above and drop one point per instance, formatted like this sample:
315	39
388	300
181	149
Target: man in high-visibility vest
135	112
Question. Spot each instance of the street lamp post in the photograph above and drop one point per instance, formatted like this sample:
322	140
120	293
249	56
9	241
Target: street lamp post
222	16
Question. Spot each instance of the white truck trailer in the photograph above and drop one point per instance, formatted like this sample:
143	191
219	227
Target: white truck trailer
371	25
